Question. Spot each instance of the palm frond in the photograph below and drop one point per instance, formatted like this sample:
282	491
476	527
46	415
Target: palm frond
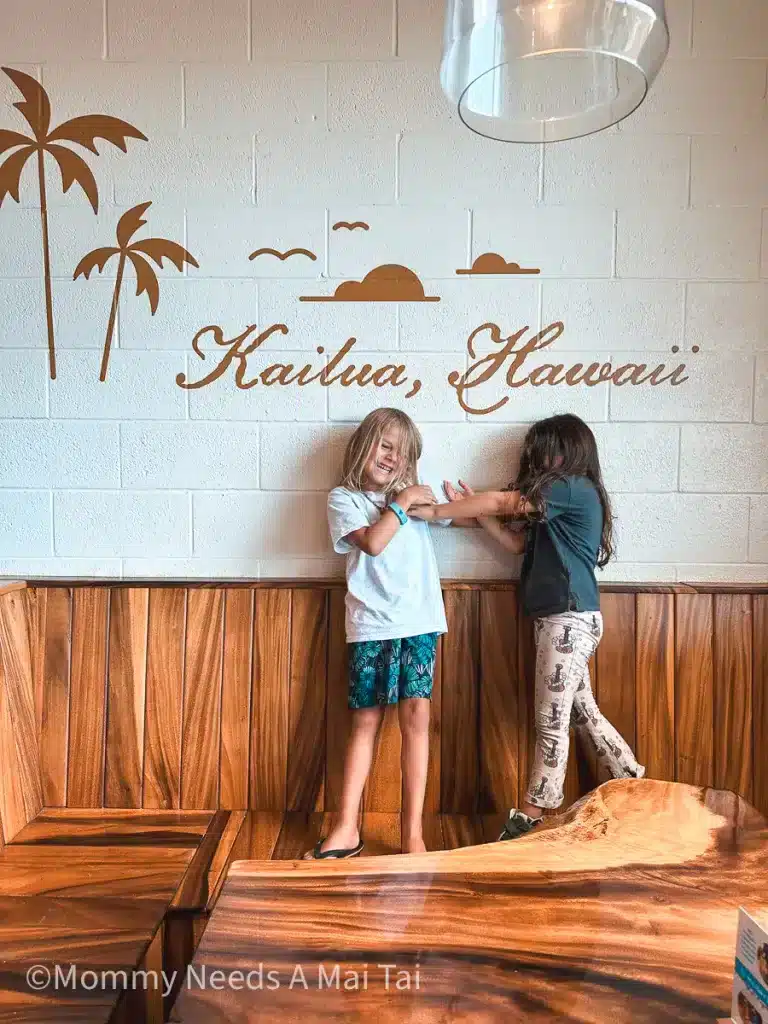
85	130
35	108
9	140
10	173
96	259
130	223
146	281
74	169
159	249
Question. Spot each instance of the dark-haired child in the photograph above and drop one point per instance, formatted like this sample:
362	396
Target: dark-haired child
557	514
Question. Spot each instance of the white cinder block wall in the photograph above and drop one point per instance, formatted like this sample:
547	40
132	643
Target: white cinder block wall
266	124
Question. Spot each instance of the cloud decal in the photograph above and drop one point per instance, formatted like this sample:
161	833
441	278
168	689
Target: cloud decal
387	283
493	263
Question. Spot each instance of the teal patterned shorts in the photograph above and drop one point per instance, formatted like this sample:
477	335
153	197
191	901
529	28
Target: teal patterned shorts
387	671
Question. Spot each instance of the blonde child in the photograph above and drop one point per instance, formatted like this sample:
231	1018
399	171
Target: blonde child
394	615
564	520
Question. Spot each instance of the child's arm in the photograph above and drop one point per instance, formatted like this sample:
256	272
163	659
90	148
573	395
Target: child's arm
373	539
513	542
487	503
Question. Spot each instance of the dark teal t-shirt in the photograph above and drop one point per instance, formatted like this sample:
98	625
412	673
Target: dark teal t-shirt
558	573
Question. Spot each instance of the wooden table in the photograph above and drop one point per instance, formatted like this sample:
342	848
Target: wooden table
622	910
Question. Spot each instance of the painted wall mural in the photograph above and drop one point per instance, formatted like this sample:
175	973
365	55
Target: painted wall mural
157	249
35	108
351	225
282	256
492	263
508	359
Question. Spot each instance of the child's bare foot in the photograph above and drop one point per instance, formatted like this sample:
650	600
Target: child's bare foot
415	845
340	838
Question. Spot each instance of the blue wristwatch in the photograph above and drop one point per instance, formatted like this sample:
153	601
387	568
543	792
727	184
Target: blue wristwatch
394	507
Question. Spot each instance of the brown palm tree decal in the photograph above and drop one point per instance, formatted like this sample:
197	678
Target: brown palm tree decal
83	131
157	249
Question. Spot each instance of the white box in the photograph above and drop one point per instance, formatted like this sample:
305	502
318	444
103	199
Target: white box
750	980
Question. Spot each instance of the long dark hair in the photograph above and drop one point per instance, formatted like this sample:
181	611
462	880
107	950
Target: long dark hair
555	448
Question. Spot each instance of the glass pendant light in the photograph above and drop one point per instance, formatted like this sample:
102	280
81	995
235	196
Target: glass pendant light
549	70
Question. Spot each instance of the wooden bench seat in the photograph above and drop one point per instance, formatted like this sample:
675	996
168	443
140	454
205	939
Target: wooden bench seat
107	864
106	826
93	871
84	934
190	850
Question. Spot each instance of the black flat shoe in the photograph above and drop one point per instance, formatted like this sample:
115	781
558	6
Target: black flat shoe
517	824
318	854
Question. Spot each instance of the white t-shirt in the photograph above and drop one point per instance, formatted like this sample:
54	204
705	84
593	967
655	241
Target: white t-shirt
396	593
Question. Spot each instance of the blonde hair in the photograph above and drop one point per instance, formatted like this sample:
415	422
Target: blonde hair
367	437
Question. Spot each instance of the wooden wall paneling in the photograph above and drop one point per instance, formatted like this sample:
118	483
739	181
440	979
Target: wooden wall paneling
126	696
87	697
433	831
655	684
306	720
459	726
384	789
236	699
338	715
462	830
381	833
269	700
572	784
300	832
499	703
694	694
201	729
733	693
586	767
165	698
16	652
37	601
526	736
760	700
53	609
432	795
13	817
615	659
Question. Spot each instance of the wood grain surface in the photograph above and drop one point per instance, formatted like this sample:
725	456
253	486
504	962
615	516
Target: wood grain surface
165	698
93	871
243	700
269	702
624	910
126	697
87	703
306	719
100	935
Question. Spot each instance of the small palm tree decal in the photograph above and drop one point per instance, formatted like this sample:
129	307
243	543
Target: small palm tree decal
157	249
83	131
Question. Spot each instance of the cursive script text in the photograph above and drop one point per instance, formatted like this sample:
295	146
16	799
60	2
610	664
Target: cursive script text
515	353
237	350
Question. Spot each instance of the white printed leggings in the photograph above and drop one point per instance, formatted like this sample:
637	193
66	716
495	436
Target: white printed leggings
564	698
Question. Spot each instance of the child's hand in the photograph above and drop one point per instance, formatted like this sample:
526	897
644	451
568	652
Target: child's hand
417	494
453	495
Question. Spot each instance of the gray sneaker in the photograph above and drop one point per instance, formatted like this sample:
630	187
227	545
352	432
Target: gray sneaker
518	824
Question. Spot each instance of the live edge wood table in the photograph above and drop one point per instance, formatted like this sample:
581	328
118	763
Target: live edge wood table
622	910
